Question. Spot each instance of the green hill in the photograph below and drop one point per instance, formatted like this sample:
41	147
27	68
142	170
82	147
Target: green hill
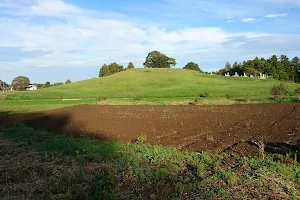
156	83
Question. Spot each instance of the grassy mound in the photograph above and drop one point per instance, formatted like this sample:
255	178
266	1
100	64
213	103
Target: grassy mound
156	83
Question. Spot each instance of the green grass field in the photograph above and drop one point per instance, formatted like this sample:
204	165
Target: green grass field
156	83
15	107
155	86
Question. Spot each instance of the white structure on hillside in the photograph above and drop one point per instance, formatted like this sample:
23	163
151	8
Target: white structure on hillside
31	87
236	74
227	74
262	76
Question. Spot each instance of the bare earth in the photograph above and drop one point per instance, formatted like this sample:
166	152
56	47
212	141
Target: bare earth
196	128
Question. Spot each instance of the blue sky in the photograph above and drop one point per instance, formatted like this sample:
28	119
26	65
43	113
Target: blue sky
56	40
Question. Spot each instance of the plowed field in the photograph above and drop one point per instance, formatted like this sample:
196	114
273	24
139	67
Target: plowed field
191	127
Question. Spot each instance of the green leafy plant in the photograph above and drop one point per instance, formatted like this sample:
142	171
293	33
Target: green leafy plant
141	139
278	91
200	169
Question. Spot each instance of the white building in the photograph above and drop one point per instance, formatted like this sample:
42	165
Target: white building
31	87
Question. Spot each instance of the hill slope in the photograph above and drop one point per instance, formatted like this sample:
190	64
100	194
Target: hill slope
156	83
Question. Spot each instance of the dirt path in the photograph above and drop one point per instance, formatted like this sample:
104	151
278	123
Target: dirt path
185	127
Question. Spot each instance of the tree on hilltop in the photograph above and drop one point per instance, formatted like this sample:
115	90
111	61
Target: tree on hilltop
192	66
130	65
3	85
155	59
47	84
20	83
113	68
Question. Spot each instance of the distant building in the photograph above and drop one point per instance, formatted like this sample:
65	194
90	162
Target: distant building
31	87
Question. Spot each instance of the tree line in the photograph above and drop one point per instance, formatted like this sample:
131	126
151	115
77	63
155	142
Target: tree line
281	68
113	68
3	85
154	59
20	83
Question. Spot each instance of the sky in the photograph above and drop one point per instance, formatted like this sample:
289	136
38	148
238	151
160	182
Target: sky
56	40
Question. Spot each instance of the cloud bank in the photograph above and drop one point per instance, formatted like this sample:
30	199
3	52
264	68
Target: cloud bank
38	35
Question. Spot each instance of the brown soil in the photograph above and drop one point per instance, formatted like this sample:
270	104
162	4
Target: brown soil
190	127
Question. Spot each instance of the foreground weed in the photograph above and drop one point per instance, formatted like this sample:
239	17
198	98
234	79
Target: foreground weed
106	170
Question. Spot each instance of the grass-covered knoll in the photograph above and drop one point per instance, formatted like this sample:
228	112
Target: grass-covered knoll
156	83
40	165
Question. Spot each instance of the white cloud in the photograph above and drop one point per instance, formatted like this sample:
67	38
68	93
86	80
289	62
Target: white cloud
251	20
247	20
69	36
291	2
276	15
53	8
230	21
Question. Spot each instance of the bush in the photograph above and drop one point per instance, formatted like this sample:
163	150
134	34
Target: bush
298	93
101	98
278	91
204	95
138	98
228	96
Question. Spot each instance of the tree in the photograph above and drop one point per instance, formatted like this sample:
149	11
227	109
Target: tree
39	85
115	68
236	67
3	85
295	64
20	83
47	84
279	68
104	71
57	84
278	91
130	65
68	81
107	70
155	59
228	66
192	66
